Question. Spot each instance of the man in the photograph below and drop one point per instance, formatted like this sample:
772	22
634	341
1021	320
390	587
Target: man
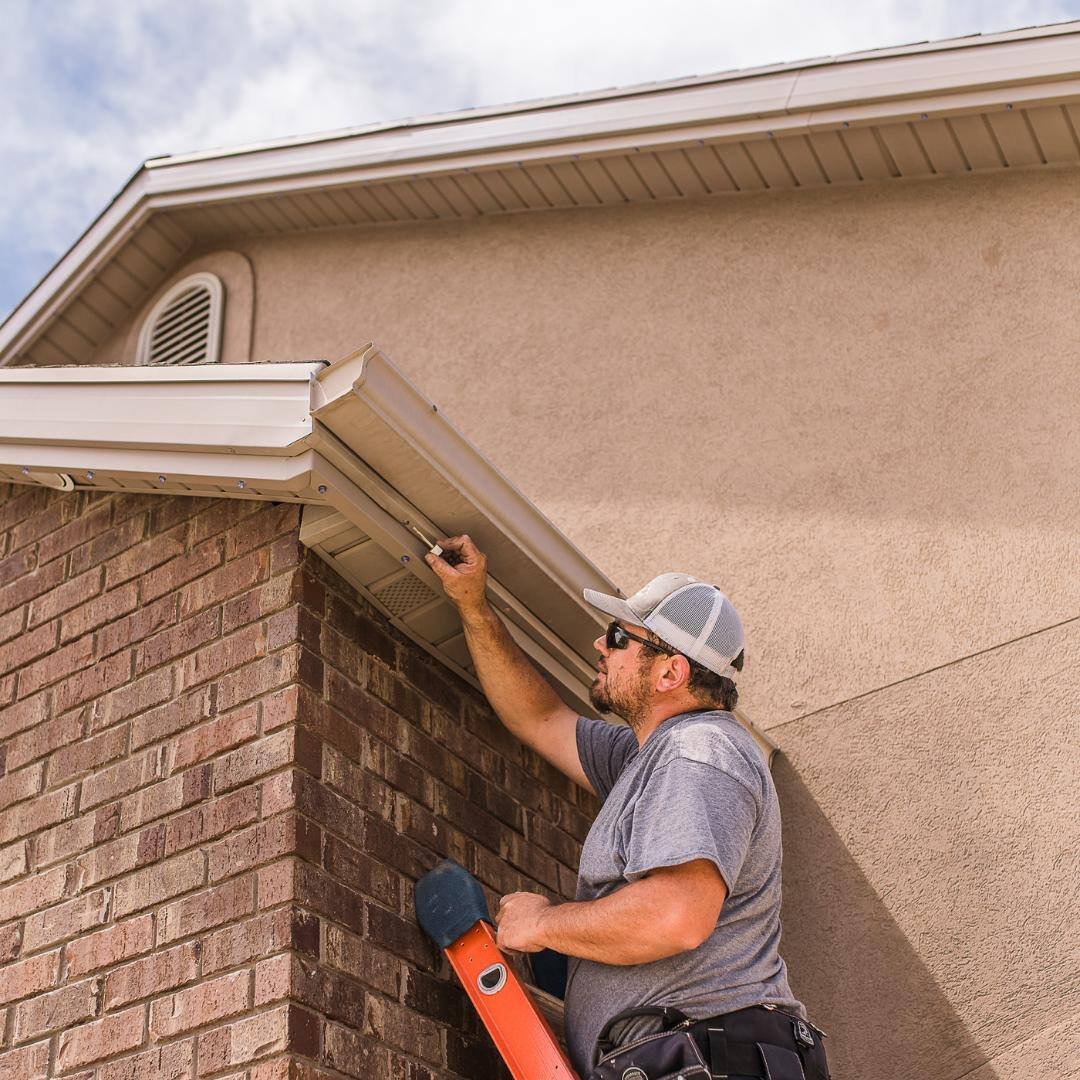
678	893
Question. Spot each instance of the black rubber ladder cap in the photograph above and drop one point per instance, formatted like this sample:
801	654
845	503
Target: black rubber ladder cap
449	901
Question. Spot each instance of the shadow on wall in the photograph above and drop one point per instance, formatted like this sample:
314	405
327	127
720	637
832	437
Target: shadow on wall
850	963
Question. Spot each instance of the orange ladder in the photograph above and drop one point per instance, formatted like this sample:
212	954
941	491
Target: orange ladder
453	911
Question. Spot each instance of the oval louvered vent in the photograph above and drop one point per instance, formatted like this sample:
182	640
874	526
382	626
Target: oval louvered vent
185	324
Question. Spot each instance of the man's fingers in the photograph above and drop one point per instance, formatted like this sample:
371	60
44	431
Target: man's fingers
441	567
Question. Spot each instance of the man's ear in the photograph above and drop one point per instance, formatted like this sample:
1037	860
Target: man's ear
673	674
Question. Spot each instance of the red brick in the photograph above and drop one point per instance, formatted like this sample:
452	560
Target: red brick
25	714
178	639
186	711
126	776
137	560
214	738
200	1005
285	1028
224	582
11	624
72	593
228	654
106	608
47	520
286	834
159	883
66	920
173	575
131	700
103	676
26	1063
10	942
87	755
351	1053
32	893
259	602
176	793
269	523
172	1062
29	976
44	738
30	817
154	974
15	566
255	759
266	674
56	665
77	532
363	960
28	647
395	1025
29	585
16	786
211	820
255	938
102	1039
221	515
138	626
130	852
63	841
206	910
96	550
13	861
358	870
62	1008
280	709
110	946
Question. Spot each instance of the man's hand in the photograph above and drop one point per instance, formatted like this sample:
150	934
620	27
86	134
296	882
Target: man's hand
465	582
519	920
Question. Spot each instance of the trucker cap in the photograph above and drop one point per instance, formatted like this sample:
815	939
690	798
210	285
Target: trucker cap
691	616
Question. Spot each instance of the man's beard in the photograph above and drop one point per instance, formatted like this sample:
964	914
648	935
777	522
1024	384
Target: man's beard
629	699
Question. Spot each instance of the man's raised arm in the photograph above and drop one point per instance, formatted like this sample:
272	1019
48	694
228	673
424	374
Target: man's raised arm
520	696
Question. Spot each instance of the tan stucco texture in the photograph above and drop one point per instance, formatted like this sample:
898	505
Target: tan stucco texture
855	410
931	918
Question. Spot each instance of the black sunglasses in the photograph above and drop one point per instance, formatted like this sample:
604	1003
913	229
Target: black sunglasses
618	638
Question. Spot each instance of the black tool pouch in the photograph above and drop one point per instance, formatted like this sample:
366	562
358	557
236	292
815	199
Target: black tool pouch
664	1055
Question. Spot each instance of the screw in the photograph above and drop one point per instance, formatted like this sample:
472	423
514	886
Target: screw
924	116
404	558
1009	107
161	479
90	474
322	489
26	470
241	484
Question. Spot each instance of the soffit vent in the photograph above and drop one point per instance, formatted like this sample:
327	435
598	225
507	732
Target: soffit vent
184	326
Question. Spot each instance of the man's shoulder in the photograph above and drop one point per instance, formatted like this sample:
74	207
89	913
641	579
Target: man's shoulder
715	739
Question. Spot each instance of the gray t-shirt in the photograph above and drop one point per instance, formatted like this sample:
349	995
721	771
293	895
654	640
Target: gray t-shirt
698	789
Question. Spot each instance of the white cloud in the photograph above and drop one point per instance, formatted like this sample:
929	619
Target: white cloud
96	87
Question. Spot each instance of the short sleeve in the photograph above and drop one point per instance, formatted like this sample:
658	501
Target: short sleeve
604	750
689	810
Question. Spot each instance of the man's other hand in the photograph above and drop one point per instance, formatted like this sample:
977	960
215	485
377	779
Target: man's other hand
518	920
465	582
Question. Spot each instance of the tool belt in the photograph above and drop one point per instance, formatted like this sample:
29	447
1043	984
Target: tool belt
761	1041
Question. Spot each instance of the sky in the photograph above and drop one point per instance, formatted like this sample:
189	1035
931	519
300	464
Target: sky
91	88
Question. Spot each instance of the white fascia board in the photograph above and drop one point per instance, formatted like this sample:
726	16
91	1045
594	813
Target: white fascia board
235	409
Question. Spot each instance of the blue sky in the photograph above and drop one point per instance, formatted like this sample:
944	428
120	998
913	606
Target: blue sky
92	87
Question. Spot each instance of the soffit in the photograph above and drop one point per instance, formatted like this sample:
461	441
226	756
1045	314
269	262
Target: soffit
955	108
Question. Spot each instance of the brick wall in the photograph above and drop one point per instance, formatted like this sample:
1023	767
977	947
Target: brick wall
220	774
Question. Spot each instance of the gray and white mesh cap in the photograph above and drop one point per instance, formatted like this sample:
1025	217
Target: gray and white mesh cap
689	615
